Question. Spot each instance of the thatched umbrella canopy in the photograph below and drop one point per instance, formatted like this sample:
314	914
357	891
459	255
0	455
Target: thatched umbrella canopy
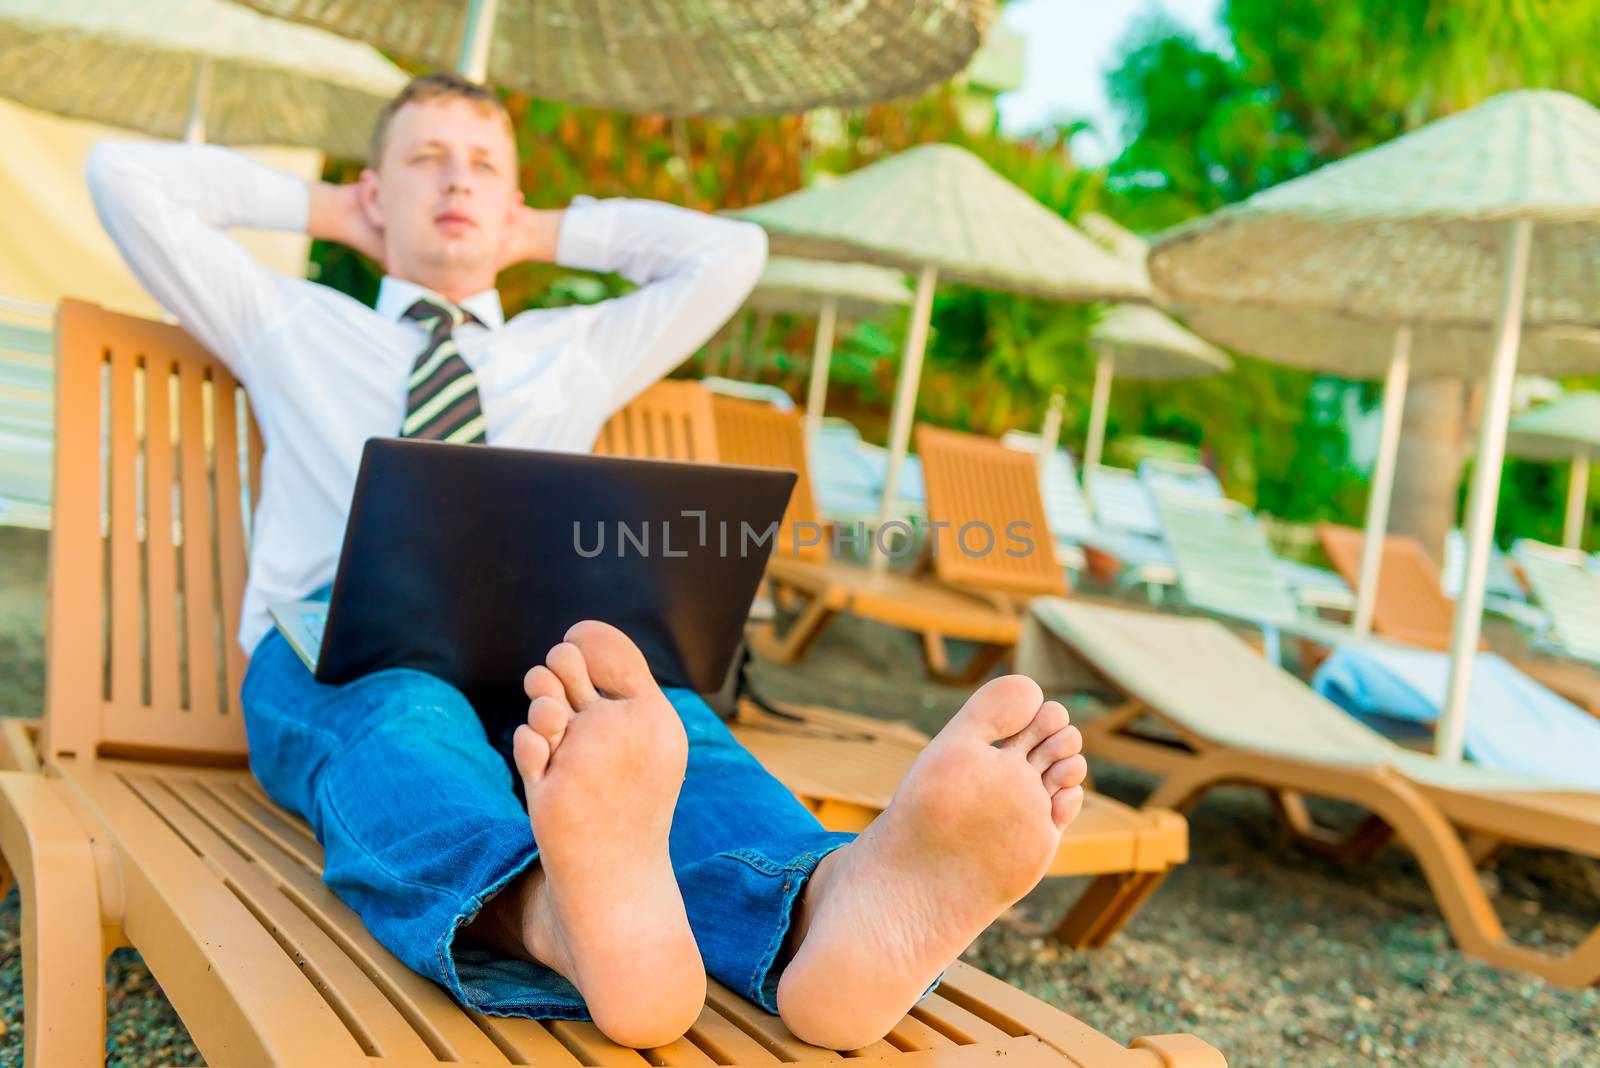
942	212
698	57
1490	216
1566	429
201	70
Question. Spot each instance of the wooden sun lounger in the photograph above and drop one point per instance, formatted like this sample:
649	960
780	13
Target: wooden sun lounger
145	828
1412	607
1196	706
802	572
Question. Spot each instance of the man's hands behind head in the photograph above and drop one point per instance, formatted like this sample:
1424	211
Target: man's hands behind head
336	214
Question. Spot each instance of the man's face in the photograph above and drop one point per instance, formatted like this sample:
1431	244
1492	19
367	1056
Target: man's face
444	192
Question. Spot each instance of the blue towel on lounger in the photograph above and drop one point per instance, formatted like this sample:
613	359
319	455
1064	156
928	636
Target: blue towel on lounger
1513	723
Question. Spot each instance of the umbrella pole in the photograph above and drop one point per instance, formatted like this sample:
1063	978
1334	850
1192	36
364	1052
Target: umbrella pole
1577	500
476	34
821	356
1050	436
1450	734
194	131
905	402
1394	403
1105	366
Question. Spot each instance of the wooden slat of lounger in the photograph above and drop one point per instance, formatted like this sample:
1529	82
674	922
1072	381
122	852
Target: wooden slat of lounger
75	649
726	1042
950	1019
198	590
527	1041
671	420
371	1017
288	834
230	530
913	1034
1010	1010
591	1047
174	905
1411	605
764	1027
160	479
123	504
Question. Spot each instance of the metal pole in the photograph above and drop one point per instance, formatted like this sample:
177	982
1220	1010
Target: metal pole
905	401
821	356
1450	734
1105	366
1394	403
1577	500
477	33
1050	433
194	130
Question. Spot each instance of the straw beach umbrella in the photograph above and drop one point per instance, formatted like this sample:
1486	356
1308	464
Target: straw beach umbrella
693	58
940	211
1567	429
833	292
1491	216
201	70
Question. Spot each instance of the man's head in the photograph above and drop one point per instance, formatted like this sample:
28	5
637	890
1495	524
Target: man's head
441	183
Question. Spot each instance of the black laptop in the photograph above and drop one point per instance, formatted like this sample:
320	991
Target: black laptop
471	562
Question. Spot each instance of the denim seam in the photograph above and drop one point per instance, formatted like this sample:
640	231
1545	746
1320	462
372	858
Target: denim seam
447	964
806	866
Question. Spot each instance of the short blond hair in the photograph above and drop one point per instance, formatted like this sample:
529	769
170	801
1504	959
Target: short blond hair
439	85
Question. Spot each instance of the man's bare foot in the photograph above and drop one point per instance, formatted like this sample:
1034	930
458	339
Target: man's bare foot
602	758
970	830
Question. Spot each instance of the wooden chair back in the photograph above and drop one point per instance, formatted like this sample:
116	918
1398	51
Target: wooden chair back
976	480
672	420
1411	605
155	451
750	432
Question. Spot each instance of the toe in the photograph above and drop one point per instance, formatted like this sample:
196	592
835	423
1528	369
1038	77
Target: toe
615	664
548	717
1065	806
568	665
532	754
1001	708
1066	742
1065	774
540	681
1051	717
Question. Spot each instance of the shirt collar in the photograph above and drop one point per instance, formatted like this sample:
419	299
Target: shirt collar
395	295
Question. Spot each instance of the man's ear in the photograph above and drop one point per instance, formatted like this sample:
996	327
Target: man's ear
367	197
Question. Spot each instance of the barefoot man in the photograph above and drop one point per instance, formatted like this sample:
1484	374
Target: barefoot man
651	848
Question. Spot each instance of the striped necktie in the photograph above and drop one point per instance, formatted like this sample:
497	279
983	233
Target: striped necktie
442	402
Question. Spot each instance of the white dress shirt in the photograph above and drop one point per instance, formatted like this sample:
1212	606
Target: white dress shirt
325	372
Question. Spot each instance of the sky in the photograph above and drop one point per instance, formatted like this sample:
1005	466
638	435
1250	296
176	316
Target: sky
1069	46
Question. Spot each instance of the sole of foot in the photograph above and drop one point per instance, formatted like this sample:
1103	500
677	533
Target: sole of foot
971	829
602	757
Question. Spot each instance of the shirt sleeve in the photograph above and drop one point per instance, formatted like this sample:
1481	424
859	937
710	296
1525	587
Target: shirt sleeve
693	271
167	208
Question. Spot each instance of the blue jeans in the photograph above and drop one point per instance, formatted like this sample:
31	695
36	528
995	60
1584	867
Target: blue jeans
420	823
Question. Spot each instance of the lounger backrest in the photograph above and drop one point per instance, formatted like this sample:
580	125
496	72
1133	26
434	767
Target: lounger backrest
1566	588
26	349
155	452
1064	502
1174	477
1411	606
750	432
1121	502
978	489
1224	561
1498	580
672	420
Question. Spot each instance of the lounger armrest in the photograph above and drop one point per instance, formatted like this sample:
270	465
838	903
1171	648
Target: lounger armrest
19	744
1181	1051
